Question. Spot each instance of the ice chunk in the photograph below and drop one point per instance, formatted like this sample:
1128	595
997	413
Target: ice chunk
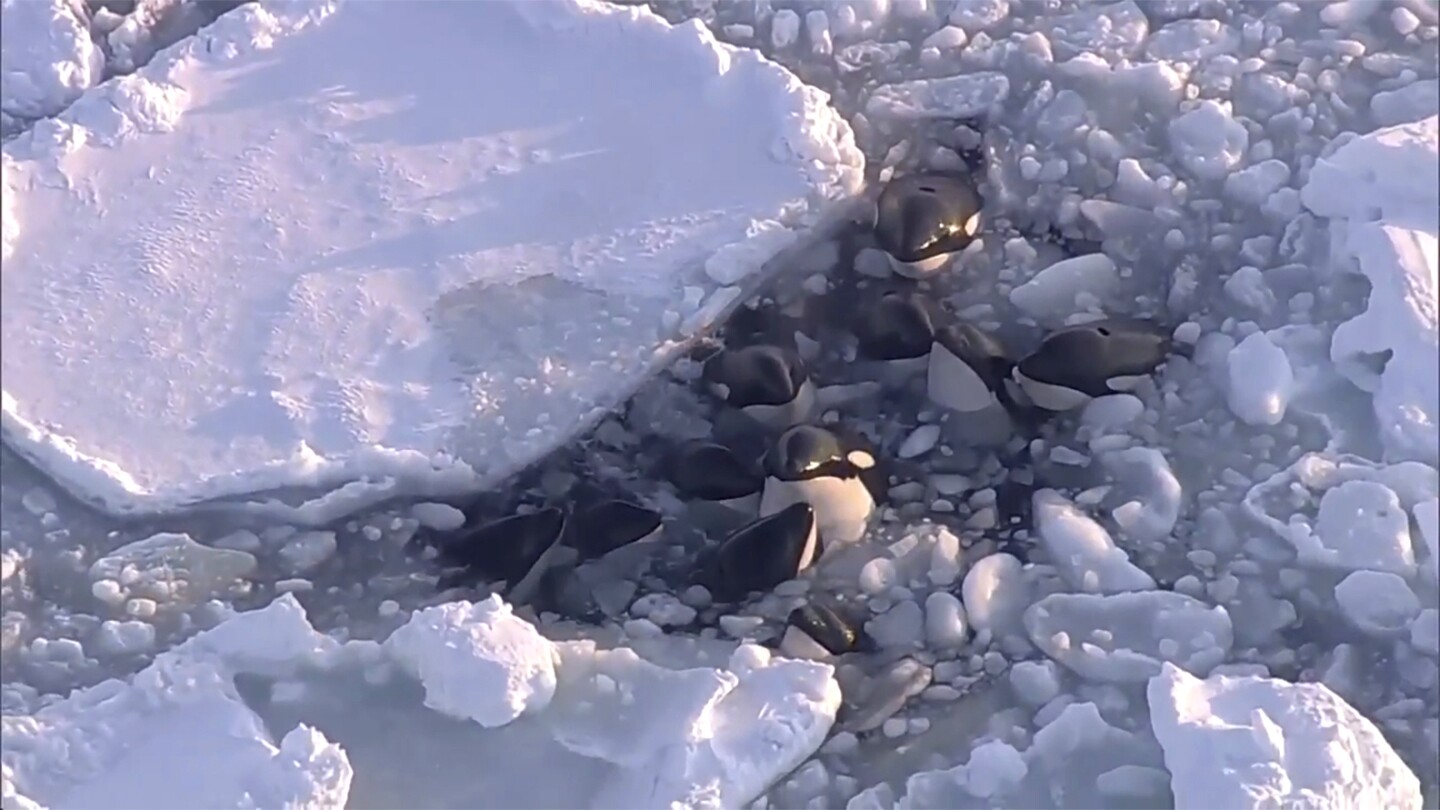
173	570
1261	742
1054	291
441	517
1425	632
1126	637
1208	142
126	638
1385	215
920	441
993	770
901	626
1114	31
1112	412
478	661
1035	683
1153	515
1378	603
177	734
1361	525
1087	559
1427	520
996	594
945	624
1412	102
407	341
1254	185
1191	42
1261	381
979	15
47	56
307	551
1247	287
966	96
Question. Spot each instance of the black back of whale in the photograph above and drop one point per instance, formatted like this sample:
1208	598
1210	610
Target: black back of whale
761	554
897	327
980	350
600	529
923	215
1083	357
828	627
711	472
507	548
757	375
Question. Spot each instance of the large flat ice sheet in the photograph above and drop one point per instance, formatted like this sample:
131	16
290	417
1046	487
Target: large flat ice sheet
416	243
1379	191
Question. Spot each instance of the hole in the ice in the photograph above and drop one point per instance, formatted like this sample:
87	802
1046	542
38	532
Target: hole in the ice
927	189
1374	362
1103	331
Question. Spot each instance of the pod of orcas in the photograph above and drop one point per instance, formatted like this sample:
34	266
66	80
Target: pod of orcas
813	489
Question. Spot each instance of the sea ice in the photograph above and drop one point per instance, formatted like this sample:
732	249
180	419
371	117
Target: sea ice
1126	637
1208	141
995	595
630	733
966	96
1261	381
177	735
1378	603
478	661
474	272
1083	552
1054	291
171	569
1384	216
47	57
1362	525
1261	742
1152	515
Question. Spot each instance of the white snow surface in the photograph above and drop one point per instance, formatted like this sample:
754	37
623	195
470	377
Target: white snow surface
47	58
318	270
1380	194
1262	742
630	733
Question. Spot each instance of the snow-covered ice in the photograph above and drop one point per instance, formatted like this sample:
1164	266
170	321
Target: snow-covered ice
632	734
416	280
1262	742
1125	637
478	661
47	57
1082	550
1383	205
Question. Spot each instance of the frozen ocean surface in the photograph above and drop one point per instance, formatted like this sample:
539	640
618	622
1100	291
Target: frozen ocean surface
478	267
1221	588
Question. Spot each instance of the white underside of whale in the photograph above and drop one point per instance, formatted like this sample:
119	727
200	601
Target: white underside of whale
1049	396
921	268
843	506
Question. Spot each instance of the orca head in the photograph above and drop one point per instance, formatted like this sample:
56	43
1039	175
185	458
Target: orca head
897	327
755	375
807	452
920	216
1087	357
